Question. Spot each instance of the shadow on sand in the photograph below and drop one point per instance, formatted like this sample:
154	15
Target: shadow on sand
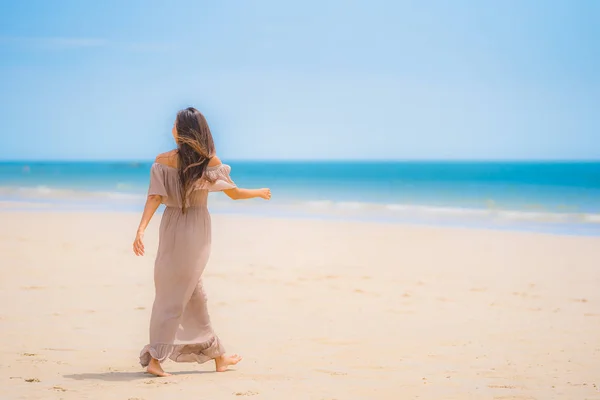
116	376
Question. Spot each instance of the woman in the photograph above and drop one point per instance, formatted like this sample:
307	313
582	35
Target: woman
180	327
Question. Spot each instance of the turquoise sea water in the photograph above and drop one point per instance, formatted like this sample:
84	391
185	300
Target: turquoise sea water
547	196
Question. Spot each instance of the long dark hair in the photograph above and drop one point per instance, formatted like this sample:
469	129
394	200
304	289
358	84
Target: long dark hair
195	148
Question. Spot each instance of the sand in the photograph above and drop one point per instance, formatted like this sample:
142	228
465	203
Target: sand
319	309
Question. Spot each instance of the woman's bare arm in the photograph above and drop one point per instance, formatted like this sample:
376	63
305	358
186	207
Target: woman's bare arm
243	194
152	203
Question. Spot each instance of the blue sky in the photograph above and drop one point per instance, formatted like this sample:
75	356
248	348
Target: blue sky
335	79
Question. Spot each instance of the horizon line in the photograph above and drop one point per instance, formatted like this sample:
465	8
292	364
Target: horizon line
319	160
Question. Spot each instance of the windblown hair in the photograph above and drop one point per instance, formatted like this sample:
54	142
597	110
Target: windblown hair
195	147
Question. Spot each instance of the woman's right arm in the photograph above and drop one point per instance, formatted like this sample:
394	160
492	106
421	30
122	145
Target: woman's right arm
152	203
243	194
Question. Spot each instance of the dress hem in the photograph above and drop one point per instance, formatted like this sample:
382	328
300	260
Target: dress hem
195	352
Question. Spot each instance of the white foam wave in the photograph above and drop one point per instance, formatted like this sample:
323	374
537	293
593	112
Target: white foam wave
406	212
411	211
42	189
350	205
432	210
48	193
591	218
320	204
535	216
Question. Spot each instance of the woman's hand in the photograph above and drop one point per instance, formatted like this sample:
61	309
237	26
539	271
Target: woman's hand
264	193
138	244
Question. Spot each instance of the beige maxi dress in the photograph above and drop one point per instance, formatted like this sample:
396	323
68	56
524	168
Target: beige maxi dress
180	327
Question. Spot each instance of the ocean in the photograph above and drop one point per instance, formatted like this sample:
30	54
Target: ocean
554	197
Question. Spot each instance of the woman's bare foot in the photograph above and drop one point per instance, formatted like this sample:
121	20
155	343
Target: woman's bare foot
222	362
155	368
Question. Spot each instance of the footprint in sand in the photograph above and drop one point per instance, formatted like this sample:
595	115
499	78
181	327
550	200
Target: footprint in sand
246	393
332	373
59	389
580	300
29	354
153	382
57	349
371	294
140	308
33	287
32	380
576	384
526	295
502	387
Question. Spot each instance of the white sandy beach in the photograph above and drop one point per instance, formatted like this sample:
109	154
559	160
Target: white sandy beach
319	309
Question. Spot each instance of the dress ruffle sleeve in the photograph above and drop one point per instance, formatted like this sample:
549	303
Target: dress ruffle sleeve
157	180
218	179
